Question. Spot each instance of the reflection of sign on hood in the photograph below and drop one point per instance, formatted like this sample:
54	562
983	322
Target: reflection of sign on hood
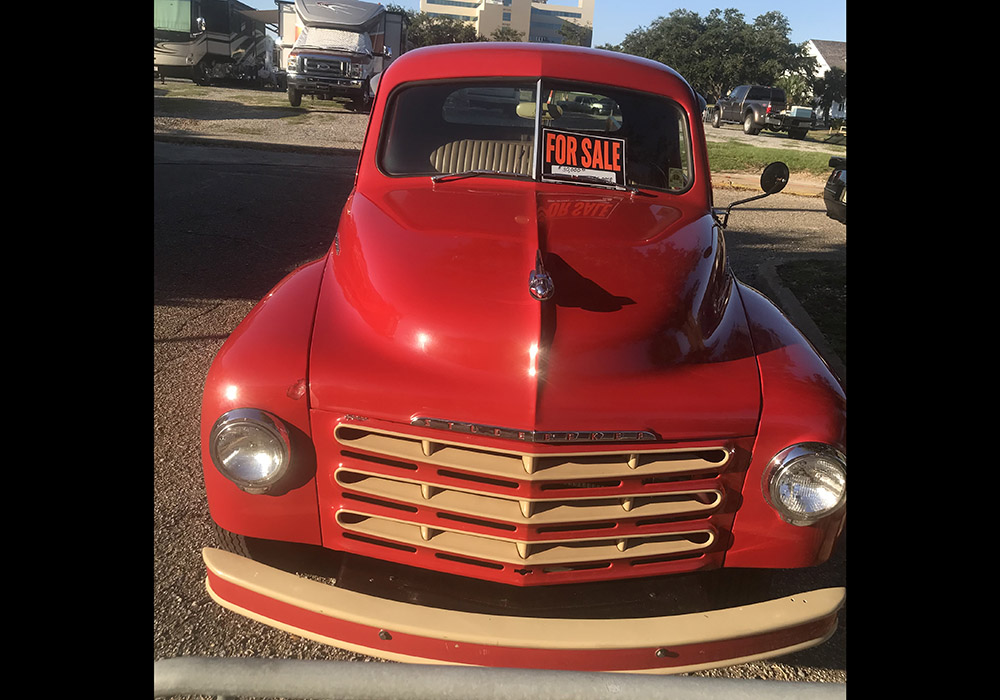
576	207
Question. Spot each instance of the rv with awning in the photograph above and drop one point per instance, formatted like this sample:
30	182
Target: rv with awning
207	40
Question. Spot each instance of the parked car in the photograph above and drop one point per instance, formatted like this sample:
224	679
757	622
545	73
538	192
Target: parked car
522	409
835	191
759	107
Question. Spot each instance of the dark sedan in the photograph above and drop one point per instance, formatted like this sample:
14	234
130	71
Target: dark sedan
835	192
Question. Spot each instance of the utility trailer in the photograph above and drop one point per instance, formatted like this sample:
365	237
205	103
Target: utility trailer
337	49
213	40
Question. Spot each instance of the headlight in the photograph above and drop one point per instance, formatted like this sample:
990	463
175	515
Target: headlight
251	448
806	482
293	63
357	70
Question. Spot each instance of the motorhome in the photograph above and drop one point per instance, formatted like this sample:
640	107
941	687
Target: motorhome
335	49
207	40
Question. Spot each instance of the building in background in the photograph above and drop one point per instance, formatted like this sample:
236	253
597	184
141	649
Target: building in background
537	20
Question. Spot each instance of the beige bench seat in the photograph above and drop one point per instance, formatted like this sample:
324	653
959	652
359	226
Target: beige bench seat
473	154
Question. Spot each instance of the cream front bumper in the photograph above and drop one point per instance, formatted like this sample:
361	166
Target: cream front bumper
407	632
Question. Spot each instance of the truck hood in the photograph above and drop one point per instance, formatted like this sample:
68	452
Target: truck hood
425	312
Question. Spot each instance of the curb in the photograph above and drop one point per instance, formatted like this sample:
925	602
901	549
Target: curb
213	141
773	288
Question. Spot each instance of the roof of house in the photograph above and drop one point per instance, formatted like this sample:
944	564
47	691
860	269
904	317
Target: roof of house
833	52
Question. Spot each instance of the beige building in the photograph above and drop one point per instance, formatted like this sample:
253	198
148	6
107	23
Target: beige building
537	20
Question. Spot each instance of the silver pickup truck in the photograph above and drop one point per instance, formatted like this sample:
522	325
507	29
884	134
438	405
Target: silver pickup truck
757	107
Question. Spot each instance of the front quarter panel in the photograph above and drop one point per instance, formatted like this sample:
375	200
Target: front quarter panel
802	401
263	365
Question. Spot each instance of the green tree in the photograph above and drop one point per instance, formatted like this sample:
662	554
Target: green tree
506	34
798	90
576	34
721	50
426	30
830	88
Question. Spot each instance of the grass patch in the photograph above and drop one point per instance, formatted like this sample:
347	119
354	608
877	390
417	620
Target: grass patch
821	288
730	156
248	97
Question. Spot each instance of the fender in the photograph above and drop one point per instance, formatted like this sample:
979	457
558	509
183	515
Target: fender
264	364
802	401
758	117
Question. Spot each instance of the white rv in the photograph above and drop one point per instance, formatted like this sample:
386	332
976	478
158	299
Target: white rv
334	48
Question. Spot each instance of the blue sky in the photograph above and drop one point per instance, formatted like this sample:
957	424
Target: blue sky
613	19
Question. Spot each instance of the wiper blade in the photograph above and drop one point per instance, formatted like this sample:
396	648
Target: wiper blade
593	180
448	177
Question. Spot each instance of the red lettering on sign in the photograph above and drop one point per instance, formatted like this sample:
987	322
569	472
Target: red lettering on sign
560	149
600	154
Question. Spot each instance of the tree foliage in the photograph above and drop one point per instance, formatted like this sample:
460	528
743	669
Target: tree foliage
576	34
830	88
721	50
506	34
426	30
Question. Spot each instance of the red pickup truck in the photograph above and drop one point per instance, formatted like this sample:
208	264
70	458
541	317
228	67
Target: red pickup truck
522	410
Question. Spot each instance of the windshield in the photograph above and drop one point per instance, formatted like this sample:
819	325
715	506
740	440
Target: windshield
595	134
334	39
172	15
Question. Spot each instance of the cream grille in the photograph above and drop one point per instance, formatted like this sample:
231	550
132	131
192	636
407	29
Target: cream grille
555	509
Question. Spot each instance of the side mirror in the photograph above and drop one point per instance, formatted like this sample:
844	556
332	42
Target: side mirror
772	180
199	25
387	52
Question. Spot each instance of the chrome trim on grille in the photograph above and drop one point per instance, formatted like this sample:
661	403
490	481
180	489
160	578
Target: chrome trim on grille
558	436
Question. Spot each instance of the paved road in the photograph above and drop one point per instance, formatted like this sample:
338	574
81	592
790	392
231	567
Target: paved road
228	224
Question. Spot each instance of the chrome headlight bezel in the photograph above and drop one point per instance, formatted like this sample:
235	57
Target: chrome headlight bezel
268	428
789	463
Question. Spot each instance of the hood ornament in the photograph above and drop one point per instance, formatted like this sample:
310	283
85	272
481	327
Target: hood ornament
539	282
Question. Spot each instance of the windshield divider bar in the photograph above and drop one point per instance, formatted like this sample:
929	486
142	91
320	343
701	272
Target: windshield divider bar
538	125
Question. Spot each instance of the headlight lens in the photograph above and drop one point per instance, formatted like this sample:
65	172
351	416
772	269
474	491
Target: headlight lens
806	482
251	448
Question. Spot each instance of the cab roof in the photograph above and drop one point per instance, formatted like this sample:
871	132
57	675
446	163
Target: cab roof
519	60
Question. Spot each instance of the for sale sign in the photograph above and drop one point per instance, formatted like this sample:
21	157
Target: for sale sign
567	155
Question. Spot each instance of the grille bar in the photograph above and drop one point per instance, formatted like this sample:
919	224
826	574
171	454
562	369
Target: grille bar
536	553
565	465
694	503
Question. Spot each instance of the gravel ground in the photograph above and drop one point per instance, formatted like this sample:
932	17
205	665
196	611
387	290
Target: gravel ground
262	116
